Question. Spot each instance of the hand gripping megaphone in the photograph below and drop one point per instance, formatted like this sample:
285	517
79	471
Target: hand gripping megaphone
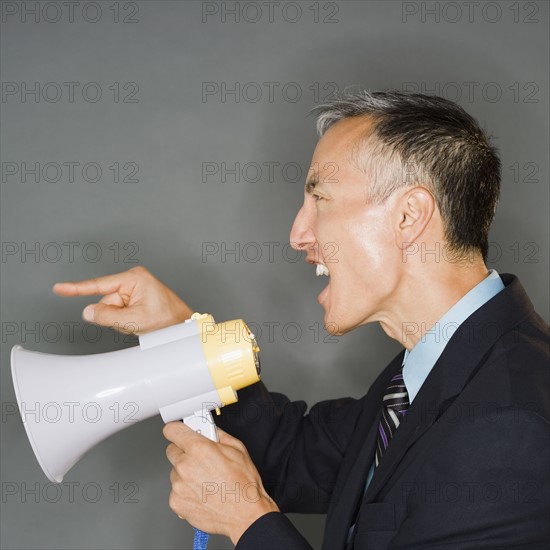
70	403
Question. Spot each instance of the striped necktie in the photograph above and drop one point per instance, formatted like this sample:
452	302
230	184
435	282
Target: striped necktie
394	407
395	404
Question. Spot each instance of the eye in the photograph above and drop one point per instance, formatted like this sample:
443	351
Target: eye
317	198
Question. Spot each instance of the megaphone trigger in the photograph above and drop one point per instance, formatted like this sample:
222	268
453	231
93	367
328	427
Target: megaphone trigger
202	423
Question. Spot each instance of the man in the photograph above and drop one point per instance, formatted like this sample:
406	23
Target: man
450	446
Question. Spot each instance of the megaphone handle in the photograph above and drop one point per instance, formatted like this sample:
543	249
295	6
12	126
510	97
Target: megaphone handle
203	423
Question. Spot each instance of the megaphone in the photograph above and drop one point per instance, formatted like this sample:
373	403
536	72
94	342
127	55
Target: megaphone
70	403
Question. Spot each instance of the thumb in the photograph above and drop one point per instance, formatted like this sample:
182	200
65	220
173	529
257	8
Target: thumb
110	316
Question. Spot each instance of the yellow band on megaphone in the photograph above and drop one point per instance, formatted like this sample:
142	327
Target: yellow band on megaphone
230	350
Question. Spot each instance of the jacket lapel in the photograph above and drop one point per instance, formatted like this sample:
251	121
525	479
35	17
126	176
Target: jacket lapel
462	357
350	485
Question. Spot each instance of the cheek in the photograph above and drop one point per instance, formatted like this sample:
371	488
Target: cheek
356	238
361	244
367	253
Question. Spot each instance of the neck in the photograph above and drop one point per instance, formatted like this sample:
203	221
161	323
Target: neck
424	296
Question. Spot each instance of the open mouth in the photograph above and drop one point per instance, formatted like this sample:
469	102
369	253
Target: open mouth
322	269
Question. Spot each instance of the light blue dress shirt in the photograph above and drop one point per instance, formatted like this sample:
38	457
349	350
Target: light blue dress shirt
420	360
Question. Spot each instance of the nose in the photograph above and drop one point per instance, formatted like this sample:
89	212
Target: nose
301	234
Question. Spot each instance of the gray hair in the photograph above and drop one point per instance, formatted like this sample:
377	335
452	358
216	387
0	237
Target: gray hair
418	139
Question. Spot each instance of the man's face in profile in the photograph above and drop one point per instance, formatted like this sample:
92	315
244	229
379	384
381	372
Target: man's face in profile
353	237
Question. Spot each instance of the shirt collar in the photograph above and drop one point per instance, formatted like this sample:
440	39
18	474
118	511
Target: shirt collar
420	360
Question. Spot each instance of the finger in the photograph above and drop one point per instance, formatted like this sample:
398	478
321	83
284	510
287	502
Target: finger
174	476
114	299
110	316
99	285
181	434
175	504
174	454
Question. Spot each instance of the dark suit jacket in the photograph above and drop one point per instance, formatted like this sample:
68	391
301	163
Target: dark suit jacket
469	466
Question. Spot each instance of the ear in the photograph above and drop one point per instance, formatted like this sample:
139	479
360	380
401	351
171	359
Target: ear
415	209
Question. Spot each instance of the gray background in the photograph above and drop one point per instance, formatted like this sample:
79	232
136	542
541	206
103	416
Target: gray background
169	212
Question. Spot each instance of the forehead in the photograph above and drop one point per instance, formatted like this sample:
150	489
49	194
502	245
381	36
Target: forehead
340	141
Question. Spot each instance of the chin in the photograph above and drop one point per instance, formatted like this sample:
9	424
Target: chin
336	328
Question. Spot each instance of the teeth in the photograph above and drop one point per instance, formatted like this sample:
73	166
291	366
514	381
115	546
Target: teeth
322	270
